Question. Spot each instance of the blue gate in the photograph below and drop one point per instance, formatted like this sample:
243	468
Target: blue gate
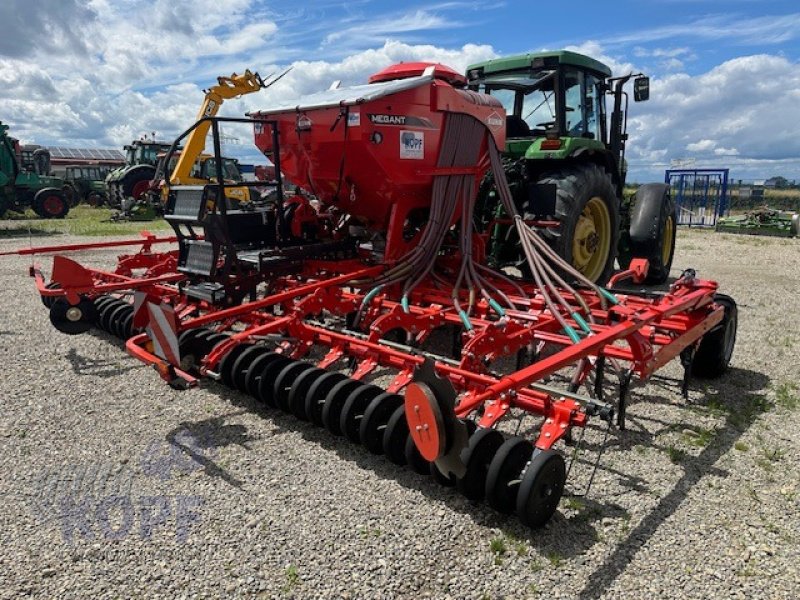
701	195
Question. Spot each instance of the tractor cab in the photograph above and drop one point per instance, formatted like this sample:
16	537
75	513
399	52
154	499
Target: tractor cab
555	106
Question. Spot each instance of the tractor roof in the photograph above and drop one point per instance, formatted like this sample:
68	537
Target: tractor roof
538	60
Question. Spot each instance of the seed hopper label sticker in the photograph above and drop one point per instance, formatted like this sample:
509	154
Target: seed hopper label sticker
412	144
353	119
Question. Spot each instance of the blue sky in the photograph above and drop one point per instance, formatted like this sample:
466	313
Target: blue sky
725	91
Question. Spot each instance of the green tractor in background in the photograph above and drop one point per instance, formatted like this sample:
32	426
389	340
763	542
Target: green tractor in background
85	184
30	186
565	162
129	183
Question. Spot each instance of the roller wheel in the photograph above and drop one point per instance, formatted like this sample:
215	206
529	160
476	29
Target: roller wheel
253	376
126	325
101	301
334	403
266	385
354	408
118	320
376	417
107	313
190	344
396	436
228	361
72	320
315	399
285	380
212	341
243	364
414	459
48	300
505	473
299	391
477	456
541	488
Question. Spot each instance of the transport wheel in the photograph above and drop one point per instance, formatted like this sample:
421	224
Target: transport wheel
266	385
505	472
228	361
315	398
587	209
477	457
414	459
353	410
396	436
441	478
48	300
72	320
253	376
652	230
541	488
376	416
243	364
210	342
283	383
716	347
299	391
334	403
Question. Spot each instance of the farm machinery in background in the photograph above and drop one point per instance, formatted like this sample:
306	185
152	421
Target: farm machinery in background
85	184
30	185
763	221
136	189
373	310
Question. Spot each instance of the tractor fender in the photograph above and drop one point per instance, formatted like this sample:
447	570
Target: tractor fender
646	213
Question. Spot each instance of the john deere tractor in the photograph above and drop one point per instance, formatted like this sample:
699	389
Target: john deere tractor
30	186
565	160
132	180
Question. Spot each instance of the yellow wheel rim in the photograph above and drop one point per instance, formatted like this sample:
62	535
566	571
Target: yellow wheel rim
591	242
666	247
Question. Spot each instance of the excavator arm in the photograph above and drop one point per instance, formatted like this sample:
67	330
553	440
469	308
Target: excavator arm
226	88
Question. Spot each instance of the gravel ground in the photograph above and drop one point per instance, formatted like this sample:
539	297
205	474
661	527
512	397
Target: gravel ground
114	485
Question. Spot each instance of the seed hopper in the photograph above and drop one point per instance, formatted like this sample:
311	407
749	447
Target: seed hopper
362	302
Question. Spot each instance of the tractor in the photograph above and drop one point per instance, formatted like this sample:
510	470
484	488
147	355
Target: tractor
85	184
31	186
564	158
133	179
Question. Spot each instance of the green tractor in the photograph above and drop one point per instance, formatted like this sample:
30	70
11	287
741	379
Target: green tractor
85	184
565	161
130	182
30	186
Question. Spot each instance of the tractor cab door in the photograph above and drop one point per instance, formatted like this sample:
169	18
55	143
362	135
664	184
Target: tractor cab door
584	107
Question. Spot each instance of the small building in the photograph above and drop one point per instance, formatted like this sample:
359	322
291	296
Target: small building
61	158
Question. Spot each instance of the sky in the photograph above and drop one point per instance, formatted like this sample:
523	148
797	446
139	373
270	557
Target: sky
725	74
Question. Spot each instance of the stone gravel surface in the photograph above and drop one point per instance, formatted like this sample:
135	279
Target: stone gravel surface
113	485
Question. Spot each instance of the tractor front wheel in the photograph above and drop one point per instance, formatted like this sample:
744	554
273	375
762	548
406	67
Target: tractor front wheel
652	230
50	203
588	211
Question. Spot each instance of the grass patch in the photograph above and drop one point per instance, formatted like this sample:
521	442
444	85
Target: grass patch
81	220
741	446
292	578
556	560
499	549
676	455
699	437
786	396
751	408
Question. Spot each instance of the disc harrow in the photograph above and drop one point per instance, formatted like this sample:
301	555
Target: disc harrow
376	318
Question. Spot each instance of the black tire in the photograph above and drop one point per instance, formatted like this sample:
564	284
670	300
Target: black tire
652	230
265	391
541	488
299	391
502	480
576	187
714	353
95	199
228	362
49	300
72	196
376	417
354	409
318	392
73	320
253	377
243	363
132	184
50	203
477	456
285	380
334	403
396	436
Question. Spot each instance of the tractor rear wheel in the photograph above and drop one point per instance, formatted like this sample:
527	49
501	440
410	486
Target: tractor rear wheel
588	211
50	203
652	230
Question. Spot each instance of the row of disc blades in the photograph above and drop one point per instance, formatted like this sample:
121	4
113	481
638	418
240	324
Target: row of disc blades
505	471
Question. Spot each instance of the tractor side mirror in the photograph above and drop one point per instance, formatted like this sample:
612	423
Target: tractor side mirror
641	89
